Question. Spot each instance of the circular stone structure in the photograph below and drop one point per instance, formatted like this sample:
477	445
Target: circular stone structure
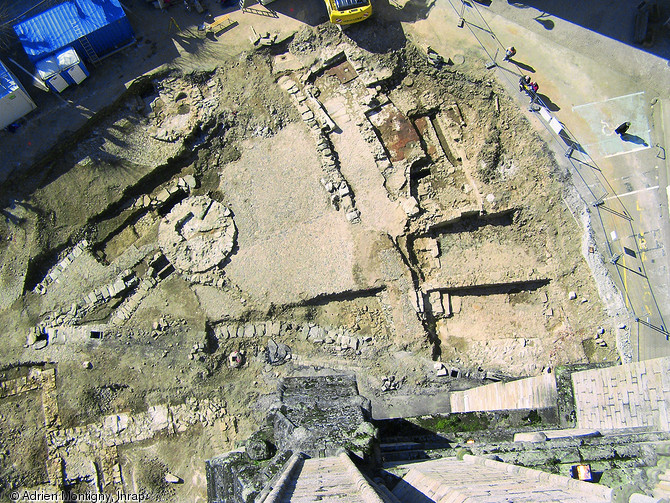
197	235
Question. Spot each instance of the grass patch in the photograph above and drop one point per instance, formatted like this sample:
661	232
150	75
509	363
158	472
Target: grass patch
453	423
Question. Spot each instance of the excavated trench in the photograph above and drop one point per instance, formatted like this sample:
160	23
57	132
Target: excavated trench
383	321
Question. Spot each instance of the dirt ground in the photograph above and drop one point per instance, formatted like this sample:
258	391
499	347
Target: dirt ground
366	187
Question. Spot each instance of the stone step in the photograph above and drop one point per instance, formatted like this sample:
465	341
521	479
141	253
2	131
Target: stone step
427	444
400	446
408	455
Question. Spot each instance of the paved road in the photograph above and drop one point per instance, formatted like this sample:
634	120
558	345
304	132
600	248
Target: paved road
591	82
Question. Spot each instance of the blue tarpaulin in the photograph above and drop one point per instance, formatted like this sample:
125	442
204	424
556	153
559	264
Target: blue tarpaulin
102	22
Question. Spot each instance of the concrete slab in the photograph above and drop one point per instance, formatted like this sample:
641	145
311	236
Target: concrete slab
604	116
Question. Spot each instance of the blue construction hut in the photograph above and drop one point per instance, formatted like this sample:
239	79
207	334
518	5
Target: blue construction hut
94	28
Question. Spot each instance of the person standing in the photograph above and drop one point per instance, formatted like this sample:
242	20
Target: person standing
532	92
524	83
509	53
621	130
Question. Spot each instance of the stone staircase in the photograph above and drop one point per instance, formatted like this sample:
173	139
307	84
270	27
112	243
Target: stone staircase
476	479
331	479
662	487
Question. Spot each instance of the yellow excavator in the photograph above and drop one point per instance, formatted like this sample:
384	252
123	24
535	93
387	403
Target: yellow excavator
342	12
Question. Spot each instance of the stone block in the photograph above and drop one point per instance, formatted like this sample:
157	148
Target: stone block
172	479
410	206
190	181
353	216
435	300
119	286
535	436
163	196
159	415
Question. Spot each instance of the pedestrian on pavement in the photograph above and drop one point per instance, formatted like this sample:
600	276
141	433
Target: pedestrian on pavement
524	82
532	92
509	53
621	130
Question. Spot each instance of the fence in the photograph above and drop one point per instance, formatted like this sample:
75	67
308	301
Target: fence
613	226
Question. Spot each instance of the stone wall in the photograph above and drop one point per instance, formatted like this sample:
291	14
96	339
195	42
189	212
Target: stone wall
338	338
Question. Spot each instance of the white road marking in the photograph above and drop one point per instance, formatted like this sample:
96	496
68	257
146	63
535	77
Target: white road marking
626	152
632	192
609	99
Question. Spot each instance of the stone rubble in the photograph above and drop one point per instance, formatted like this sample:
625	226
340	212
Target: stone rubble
180	109
390	383
124	428
158	270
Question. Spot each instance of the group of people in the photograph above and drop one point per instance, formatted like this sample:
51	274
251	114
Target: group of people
530	88
525	83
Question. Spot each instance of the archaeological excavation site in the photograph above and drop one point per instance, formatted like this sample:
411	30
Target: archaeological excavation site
318	269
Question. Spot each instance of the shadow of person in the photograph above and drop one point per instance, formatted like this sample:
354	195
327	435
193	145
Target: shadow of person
547	24
549	105
523	66
631	138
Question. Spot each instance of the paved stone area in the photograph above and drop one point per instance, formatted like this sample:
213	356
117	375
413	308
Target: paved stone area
477	479
530	393
633	395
